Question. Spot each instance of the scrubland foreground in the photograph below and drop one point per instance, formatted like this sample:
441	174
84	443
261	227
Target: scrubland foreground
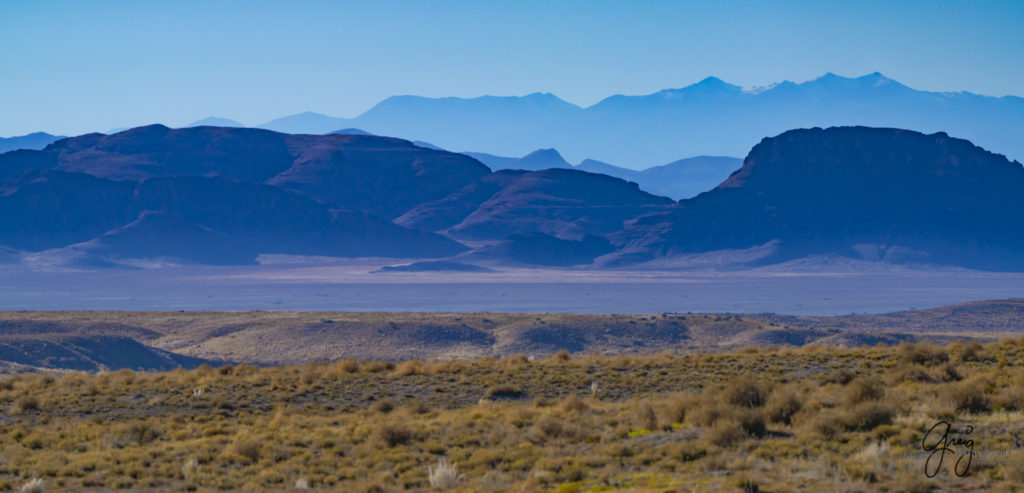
756	419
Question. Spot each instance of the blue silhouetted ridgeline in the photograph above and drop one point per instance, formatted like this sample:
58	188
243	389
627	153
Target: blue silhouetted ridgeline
870	193
211	195
711	117
32	141
223	195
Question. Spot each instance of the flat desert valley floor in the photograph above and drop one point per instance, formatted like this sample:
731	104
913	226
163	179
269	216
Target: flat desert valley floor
354	286
278	397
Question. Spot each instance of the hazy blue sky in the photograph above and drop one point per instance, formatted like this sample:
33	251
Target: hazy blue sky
74	67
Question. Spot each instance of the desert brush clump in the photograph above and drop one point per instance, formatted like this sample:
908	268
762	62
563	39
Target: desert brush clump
761	419
784	402
969	396
445	475
745	391
383	406
34	485
923	354
24	404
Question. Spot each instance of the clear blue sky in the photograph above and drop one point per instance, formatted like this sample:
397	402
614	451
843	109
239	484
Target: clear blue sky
74	67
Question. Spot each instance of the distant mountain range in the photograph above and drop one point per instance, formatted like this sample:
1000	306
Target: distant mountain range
217	195
677	180
33	141
215	121
711	117
680	179
563	203
534	161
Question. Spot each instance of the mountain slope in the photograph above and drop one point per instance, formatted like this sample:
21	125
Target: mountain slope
164	236
90	353
45	209
94	221
271	220
451	210
871	193
155	150
563	203
381	175
15	163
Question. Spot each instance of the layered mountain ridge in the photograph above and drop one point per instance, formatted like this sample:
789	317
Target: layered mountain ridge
711	117
226	196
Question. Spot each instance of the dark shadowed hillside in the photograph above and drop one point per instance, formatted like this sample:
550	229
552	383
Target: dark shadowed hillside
567	204
381	175
451	210
155	150
223	195
91	345
49	209
15	163
191	219
89	353
271	220
166	236
870	193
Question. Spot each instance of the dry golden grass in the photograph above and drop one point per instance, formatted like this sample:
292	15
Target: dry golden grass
814	418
